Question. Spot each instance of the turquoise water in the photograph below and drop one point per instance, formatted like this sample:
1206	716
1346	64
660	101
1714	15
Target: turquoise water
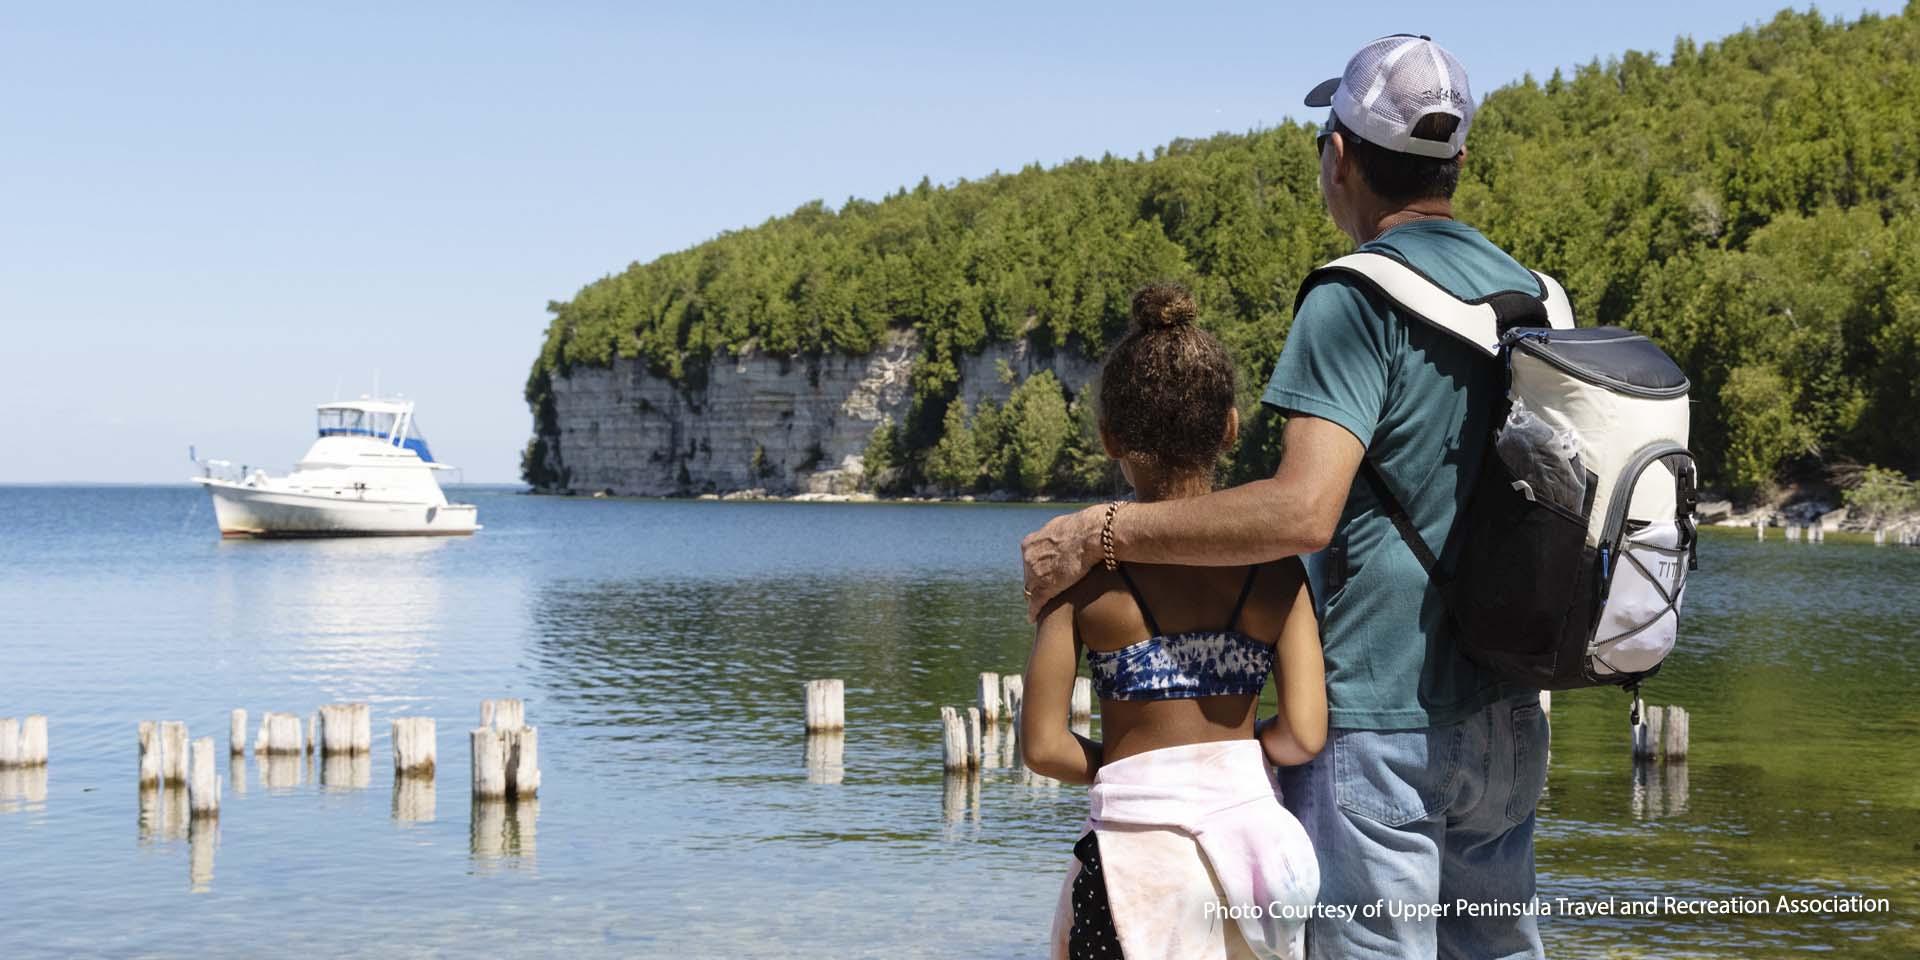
660	647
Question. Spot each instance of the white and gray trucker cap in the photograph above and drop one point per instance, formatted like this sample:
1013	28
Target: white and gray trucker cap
1390	85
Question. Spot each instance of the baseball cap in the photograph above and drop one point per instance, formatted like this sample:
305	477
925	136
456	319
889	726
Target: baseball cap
1390	85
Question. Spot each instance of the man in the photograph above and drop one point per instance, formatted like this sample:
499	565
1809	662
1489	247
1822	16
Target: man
1426	792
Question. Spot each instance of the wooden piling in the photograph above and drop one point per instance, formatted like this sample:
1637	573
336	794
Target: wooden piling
1082	698
150	753
173	754
1879	537
237	733
1673	742
279	735
989	698
1760	530
1013	691
346	728
503	714
522	758
32	751
9	742
203	788
826	705
953	739
415	750
313	731
489	764
975	755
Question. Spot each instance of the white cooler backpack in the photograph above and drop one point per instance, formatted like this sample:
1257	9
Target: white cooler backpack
1574	549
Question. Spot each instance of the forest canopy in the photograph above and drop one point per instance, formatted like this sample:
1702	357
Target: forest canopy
1752	204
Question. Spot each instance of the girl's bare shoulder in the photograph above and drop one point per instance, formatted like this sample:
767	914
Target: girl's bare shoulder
1276	590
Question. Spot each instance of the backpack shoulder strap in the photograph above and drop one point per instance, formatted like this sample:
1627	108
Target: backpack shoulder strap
1478	322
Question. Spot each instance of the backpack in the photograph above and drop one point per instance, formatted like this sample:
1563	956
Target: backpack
1575	544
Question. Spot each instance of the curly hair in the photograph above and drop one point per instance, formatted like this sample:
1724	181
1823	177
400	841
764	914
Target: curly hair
1166	387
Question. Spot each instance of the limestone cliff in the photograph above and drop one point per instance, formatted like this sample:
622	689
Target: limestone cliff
782	424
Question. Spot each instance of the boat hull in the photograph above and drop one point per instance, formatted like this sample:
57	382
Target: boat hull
257	512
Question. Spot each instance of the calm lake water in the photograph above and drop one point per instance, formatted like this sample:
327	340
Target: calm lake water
661	646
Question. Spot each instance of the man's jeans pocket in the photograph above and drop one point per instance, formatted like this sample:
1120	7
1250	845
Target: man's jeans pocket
1396	777
1529	733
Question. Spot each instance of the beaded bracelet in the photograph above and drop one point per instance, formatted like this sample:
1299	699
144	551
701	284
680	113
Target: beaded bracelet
1106	535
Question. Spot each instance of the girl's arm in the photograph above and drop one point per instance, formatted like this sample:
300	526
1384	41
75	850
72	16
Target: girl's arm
1298	733
1049	747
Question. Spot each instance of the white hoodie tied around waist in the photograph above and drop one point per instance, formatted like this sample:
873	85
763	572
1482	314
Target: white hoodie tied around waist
1244	891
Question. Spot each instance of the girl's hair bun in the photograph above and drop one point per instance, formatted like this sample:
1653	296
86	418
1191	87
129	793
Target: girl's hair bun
1163	305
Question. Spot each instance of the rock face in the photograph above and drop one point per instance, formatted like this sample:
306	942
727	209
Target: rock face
783	425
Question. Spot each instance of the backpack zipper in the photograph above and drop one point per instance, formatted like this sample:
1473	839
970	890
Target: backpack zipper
1598	379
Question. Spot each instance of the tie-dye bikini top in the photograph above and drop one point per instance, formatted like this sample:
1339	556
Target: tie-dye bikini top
1198	663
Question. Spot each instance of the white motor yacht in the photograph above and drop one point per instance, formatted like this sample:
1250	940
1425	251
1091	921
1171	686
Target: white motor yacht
369	474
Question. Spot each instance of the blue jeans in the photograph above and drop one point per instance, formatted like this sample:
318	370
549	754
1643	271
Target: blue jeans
1425	818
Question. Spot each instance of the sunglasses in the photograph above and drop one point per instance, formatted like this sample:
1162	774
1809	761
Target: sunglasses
1320	139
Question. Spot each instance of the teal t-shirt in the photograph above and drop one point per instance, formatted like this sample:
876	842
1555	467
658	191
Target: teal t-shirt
1420	401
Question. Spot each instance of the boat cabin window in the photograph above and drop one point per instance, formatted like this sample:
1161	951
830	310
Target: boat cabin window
356	423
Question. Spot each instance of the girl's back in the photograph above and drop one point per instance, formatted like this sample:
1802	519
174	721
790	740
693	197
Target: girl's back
1217	613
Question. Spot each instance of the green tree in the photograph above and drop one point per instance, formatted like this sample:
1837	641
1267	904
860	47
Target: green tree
1038	427
1763	428
954	462
1883	495
882	455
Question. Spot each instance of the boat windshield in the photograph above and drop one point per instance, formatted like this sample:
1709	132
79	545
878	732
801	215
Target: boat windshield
416	442
338	422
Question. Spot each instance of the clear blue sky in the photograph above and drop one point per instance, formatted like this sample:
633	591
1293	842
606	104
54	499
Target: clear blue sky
214	216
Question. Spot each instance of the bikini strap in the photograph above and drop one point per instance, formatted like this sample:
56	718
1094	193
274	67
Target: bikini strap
1139	600
1246	590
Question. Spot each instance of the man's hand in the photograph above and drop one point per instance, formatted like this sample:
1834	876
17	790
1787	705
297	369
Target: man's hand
1057	555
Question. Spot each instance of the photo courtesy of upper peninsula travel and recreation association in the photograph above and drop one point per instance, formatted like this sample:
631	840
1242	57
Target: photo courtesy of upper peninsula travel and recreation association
964	483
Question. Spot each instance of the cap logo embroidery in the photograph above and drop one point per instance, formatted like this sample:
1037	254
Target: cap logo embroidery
1449	95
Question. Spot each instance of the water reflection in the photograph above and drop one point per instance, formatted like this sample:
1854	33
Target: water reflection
237	774
1659	790
346	771
280	772
826	752
163	814
204	838
414	798
960	798
501	833
23	789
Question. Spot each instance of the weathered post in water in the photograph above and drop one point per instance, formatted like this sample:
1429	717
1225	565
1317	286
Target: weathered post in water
489	764
415	749
1013	693
505	740
989	698
237	733
975	758
346	728
1082	699
32	751
1673	742
953	739
503	714
150	752
173	753
522	748
203	788
826	705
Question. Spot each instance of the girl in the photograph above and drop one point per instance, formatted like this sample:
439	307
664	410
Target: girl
1188	852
